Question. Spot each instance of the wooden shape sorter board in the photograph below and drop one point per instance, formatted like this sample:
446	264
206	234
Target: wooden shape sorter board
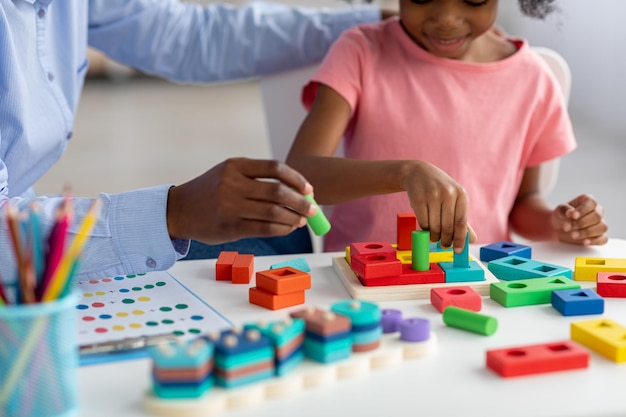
400	292
307	375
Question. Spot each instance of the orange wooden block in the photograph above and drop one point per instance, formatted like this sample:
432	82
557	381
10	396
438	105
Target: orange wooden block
243	268
275	302
407	222
283	280
224	266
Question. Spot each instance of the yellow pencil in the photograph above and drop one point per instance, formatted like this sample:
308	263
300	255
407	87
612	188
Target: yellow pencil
64	269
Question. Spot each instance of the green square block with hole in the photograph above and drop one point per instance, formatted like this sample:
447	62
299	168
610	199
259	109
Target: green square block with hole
512	268
528	292
455	274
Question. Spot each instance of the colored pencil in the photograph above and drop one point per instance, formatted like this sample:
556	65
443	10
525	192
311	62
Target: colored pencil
62	273
35	240
56	243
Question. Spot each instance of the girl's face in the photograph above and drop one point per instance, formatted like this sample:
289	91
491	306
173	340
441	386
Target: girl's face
447	28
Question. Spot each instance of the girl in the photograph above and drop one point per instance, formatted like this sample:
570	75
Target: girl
438	110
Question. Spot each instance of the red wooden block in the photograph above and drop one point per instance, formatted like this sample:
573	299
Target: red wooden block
275	302
537	359
243	268
459	296
224	266
407	222
611	284
283	280
409	276
371	248
376	266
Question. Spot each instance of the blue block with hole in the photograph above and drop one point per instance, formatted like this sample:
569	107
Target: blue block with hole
577	302
503	249
513	268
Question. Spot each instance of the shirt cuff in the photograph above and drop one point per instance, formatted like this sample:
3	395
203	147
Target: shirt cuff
139	230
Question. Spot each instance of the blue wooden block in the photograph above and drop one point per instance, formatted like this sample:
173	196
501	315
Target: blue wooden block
436	247
577	302
461	260
512	268
503	249
185	355
471	274
298	263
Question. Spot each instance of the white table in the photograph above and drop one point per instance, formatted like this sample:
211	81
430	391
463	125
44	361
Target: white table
452	382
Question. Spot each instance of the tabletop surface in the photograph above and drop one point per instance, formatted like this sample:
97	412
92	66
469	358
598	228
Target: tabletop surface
451	382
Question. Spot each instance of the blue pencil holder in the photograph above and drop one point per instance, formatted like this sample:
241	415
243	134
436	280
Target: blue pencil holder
39	359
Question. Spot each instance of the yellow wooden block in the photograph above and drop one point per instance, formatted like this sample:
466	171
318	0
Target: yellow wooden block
586	269
604	336
405	256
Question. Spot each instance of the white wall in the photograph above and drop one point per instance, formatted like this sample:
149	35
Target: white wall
591	37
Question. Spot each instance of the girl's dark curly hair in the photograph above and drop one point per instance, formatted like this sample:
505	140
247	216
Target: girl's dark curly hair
537	8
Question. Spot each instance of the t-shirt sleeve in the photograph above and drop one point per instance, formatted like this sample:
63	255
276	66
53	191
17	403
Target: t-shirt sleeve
340	70
551	125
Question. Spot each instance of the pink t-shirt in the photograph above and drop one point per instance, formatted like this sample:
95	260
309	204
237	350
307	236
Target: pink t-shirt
483	124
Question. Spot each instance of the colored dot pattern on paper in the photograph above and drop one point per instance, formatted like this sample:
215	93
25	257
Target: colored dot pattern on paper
109	306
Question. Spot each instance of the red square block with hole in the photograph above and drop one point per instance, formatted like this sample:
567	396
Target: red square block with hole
407	223
224	266
611	284
459	296
537	359
371	248
283	280
273	301
376	265
434	275
243	268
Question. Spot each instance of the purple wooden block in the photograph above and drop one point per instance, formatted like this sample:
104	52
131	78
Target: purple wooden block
414	330
390	320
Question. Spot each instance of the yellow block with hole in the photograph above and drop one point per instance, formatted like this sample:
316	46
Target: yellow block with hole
586	269
603	336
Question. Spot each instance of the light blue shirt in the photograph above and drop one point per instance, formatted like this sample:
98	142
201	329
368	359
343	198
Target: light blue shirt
43	63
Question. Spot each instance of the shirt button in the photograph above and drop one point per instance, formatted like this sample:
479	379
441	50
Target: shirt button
41	13
69	136
50	76
151	263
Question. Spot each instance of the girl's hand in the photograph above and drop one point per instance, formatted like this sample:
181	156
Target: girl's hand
440	204
580	222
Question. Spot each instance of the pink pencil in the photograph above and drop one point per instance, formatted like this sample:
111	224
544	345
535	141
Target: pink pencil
56	244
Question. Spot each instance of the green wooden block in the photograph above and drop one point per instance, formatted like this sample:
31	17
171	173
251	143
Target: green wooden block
470	320
529	291
512	268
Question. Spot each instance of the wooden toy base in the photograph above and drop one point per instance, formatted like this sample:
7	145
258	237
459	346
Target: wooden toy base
308	374
400	292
